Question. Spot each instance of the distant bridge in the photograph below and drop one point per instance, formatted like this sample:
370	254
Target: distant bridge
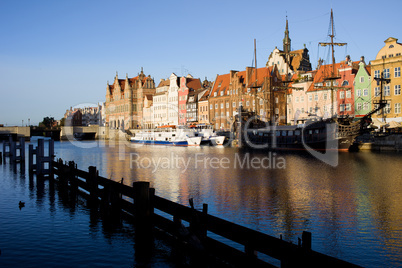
15	132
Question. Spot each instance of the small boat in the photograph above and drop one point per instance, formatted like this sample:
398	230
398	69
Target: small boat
167	135
208	135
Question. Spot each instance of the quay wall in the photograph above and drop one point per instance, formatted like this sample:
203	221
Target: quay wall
20	131
391	142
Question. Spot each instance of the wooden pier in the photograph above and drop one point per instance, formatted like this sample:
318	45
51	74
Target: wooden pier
192	230
140	202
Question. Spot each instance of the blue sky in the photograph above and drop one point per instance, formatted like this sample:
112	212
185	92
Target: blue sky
57	54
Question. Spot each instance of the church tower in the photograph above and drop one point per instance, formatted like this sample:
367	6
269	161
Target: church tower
286	40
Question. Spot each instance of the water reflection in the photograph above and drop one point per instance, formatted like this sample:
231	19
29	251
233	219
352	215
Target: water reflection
353	210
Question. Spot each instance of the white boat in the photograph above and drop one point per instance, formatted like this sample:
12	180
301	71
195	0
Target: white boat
167	135
208	135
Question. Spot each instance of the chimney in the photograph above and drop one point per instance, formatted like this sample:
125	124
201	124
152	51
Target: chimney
249	72
362	59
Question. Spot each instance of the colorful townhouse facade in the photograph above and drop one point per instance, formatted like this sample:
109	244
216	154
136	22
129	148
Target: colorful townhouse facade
160	102
345	90
203	108
362	90
188	84
297	105
252	90
124	101
387	65
173	100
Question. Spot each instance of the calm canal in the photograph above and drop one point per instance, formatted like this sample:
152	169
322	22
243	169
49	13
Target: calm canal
353	208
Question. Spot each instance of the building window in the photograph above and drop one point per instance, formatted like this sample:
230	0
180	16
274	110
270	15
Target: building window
365	106
247	103
234	104
348	94
310	98
397	108
276	100
345	83
342	107
210	107
387	91
386	73
297	99
397	90
216	106
215	94
377	74
397	71
348	107
261	102
222	105
227	104
365	92
377	91
361	79
325	96
222	93
359	92
387	108
359	106
342	94
301	98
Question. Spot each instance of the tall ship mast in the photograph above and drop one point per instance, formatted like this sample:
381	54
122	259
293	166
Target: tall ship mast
332	44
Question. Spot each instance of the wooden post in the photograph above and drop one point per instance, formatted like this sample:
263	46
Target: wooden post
92	182
13	151
51	154
1	158
40	151
141	201
72	179
22	149
30	157
144	241
306	240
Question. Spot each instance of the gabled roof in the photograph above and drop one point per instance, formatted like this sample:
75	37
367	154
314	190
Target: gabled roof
205	96
164	83
324	72
193	83
221	84
262	73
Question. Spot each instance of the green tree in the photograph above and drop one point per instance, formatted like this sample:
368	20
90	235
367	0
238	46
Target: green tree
47	122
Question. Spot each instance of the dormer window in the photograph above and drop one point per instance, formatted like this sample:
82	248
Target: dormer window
222	92
215	94
391	46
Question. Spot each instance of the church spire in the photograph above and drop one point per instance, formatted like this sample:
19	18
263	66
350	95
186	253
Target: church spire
286	40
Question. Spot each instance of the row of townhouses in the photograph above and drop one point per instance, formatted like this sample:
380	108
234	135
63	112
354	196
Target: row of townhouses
285	91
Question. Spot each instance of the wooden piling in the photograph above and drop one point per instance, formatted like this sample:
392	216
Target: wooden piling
141	201
306	240
1	158
92	182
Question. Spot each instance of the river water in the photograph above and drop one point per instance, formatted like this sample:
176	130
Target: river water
352	206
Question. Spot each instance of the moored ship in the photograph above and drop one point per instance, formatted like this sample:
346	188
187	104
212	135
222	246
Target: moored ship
167	135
